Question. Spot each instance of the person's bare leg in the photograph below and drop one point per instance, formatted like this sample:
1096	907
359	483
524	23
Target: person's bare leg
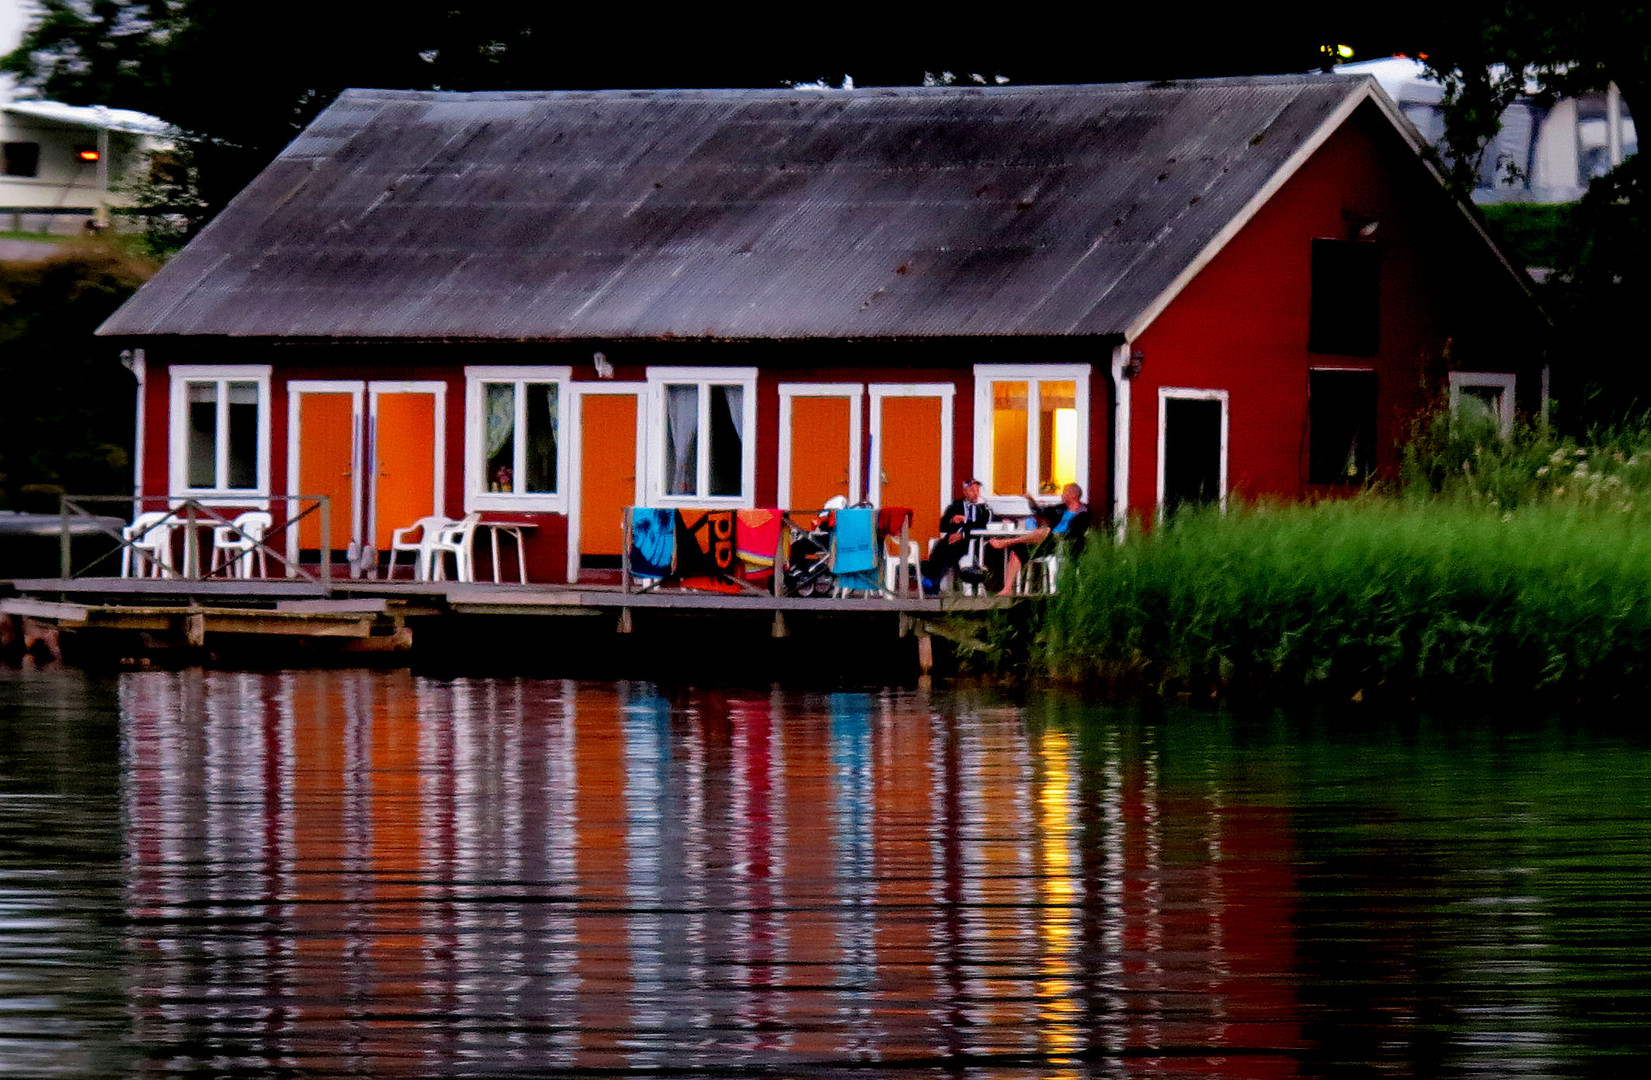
1011	573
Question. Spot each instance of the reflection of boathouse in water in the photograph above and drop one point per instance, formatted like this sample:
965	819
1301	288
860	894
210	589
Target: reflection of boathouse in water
545	307
721	882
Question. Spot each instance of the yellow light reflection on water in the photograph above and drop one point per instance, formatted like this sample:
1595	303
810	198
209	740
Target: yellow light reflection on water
1058	1004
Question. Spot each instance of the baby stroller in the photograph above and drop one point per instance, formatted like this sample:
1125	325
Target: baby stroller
808	570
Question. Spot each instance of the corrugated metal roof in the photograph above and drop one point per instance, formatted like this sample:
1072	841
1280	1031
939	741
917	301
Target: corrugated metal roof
876	213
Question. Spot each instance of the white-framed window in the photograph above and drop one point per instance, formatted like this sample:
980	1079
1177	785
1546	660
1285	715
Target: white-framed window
1031	430
703	437
515	450
1483	397
1193	427
220	430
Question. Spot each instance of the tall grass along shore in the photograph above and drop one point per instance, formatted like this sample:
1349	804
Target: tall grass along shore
1491	566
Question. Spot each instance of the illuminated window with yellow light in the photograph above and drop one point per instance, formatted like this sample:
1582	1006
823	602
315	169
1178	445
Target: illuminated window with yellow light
1031	428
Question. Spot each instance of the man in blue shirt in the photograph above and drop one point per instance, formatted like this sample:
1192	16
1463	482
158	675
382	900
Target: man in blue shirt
1067	519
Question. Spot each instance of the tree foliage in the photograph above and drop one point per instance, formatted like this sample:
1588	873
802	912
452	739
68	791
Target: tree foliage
66	416
1487	54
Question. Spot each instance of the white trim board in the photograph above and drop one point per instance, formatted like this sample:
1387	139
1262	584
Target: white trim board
1123	391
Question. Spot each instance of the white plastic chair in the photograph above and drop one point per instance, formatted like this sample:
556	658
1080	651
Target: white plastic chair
235	546
456	540
419	538
891	561
1040	574
147	545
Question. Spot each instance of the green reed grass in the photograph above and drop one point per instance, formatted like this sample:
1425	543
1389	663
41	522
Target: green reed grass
1491	564
1372	595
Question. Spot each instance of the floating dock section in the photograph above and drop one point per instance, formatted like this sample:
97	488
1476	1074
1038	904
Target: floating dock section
601	630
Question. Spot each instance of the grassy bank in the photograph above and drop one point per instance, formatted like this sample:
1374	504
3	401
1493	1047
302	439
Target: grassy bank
1373	596
1508	567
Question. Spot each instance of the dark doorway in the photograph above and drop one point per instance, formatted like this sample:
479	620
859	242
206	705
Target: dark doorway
1192	452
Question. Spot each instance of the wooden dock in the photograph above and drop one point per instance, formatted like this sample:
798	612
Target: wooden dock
346	619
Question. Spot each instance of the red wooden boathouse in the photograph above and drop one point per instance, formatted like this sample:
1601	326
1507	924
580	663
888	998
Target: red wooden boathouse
548	306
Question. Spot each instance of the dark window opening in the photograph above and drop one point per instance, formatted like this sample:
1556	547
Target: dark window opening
1192	452
1345	313
1341	426
22	158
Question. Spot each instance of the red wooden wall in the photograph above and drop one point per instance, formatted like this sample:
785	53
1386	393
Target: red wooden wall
1241	325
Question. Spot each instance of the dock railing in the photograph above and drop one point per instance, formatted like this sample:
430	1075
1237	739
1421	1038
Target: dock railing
194	514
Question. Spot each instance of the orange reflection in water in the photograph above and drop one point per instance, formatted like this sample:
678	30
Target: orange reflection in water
344	872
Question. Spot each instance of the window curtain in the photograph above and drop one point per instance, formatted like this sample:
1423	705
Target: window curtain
501	416
734	398
726	439
682	439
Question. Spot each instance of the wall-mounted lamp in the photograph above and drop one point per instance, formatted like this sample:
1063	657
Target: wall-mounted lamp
88	154
1360	224
1132	367
604	370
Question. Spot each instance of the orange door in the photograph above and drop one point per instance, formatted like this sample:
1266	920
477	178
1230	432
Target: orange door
405	450
909	461
326	465
822	453
607	470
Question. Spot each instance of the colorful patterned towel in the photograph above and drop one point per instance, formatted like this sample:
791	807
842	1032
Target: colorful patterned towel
704	542
653	542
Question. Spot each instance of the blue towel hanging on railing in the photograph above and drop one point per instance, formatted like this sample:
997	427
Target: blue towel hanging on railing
854	549
653	541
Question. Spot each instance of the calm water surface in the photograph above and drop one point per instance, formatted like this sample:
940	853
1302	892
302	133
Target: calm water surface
352	873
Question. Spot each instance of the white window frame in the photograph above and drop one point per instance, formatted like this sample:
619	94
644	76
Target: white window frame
476	495
1033	375
182	376
1501	380
1165	393
704	377
855	393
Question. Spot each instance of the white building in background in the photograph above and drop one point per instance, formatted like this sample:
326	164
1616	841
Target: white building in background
1555	150
63	165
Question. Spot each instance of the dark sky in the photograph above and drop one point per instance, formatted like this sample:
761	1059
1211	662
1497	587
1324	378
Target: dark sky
1027	43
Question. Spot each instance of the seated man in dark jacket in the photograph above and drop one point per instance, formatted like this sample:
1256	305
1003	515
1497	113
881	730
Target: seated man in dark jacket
1067	520
960	520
